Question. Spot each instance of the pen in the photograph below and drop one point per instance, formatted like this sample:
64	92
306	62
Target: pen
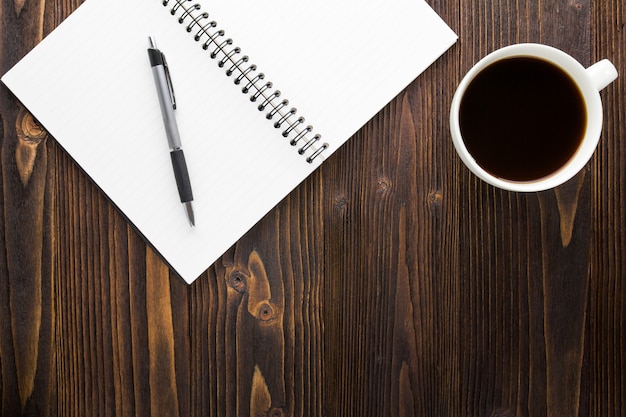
165	91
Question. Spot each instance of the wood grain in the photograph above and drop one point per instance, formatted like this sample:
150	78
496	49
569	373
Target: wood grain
392	282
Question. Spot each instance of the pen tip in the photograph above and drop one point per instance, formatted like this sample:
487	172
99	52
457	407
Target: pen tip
189	211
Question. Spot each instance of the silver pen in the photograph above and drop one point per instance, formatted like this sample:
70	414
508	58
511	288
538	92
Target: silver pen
165	91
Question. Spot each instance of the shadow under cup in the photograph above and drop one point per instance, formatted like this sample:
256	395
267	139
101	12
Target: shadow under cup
527	117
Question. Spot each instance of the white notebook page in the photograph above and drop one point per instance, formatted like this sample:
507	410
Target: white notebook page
90	84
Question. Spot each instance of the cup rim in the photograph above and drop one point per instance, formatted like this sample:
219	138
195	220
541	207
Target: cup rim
591	98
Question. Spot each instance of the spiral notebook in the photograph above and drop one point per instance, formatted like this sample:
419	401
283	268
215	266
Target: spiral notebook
265	92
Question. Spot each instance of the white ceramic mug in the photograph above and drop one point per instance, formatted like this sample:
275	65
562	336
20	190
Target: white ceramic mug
589	81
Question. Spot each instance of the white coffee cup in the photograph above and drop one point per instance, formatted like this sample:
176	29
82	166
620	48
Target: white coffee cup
589	81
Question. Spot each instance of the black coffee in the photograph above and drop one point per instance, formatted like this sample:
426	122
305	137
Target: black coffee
522	118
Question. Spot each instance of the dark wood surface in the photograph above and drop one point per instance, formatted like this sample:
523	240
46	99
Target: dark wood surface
392	282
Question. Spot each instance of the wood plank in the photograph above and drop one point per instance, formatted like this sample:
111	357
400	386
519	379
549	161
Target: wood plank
605	359
26	264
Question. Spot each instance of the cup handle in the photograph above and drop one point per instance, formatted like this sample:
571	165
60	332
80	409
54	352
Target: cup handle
602	73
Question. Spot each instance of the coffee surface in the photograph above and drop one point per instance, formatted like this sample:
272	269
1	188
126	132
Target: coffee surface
522	118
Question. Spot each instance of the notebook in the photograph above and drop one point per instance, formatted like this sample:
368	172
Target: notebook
319	69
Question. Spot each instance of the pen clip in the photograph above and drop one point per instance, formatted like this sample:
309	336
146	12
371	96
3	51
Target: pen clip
168	78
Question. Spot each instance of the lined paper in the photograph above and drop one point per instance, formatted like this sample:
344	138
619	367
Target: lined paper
90	85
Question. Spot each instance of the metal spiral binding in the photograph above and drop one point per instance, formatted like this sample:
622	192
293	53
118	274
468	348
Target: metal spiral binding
254	83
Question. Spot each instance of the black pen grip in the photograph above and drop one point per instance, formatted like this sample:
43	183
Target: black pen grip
182	176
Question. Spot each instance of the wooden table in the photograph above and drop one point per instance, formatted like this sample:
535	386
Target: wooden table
392	282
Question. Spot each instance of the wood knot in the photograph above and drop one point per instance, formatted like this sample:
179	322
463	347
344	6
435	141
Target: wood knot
30	135
434	198
238	281
341	202
384	185
265	313
275	412
28	128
